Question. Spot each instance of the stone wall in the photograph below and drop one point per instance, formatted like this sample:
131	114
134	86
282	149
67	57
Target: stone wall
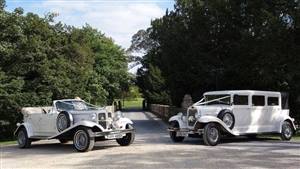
164	111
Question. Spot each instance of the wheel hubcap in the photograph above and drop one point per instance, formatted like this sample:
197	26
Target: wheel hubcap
81	140
213	134
228	120
62	123
21	138
287	131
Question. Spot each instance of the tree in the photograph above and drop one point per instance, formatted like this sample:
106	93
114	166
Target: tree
43	61
219	45
2	5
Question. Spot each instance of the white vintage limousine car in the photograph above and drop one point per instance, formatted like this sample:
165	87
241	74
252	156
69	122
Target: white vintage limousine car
73	119
240	112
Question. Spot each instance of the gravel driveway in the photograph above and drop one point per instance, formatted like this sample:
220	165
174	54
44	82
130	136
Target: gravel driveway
153	149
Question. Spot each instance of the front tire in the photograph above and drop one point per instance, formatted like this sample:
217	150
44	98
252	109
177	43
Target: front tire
211	134
173	134
286	131
23	140
128	138
83	140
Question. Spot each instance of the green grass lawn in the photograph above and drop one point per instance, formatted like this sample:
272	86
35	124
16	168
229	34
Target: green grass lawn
134	103
3	143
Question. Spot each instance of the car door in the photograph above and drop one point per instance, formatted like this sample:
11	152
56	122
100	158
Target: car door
242	112
48	123
274	110
34	120
259	114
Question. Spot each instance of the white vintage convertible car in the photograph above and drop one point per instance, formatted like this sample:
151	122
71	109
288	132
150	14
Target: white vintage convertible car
73	119
240	112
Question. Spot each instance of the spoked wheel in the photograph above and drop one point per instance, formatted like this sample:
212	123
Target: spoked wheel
173	134
286	131
23	140
63	121
83	140
211	135
228	118
128	138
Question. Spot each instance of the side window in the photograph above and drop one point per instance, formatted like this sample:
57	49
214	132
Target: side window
258	100
273	101
240	100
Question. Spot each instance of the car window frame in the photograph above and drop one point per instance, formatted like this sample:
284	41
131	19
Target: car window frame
278	101
265	104
247	105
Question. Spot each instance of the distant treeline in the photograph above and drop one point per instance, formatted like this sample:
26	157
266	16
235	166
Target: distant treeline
41	60
210	45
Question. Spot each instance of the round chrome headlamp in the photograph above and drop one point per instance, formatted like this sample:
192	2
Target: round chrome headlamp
94	116
118	115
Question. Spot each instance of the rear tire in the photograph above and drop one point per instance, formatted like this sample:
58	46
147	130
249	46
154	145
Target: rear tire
286	131
211	134
128	138
173	134
22	138
83	139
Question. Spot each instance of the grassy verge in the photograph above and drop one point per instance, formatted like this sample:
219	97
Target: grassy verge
134	103
294	138
3	143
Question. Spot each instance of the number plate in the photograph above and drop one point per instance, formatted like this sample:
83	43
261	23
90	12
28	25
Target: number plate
114	136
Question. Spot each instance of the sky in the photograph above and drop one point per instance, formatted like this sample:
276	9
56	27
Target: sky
118	19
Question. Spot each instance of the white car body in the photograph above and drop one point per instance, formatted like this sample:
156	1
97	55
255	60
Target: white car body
265	116
41	122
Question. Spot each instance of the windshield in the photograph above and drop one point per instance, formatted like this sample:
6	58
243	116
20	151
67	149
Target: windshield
217	99
74	105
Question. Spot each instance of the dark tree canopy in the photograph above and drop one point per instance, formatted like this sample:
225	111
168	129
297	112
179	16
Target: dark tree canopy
41	61
220	45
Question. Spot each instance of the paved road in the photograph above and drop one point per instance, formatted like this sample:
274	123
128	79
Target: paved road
153	149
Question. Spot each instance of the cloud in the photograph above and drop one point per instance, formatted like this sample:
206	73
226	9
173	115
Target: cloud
117	19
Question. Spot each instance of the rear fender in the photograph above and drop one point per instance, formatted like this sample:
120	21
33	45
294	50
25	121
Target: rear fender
213	119
28	128
286	118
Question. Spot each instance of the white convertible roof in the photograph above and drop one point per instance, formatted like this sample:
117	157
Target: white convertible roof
248	92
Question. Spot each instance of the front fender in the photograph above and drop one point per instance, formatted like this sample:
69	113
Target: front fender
84	123
178	118
28	128
122	122
213	119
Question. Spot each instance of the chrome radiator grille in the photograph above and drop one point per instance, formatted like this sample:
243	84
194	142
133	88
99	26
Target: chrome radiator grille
102	120
191	116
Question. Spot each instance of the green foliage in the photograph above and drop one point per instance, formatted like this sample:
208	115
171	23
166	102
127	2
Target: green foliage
41	61
214	45
132	93
2	4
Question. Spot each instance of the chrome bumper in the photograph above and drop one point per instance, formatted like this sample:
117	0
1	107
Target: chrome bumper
185	130
114	133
